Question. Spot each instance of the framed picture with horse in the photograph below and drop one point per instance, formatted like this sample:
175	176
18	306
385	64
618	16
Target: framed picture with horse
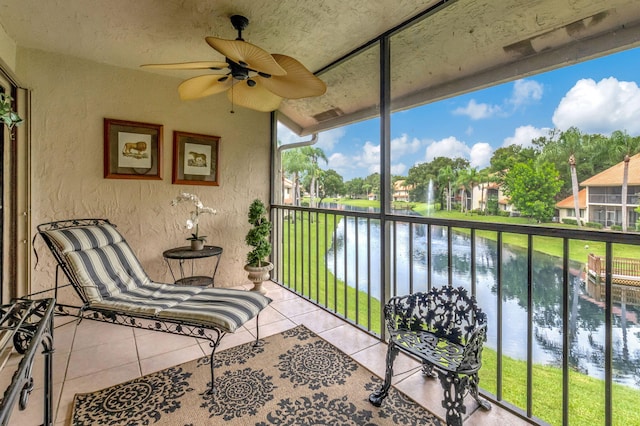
195	159
132	150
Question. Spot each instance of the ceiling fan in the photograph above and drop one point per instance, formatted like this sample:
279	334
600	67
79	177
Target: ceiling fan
252	77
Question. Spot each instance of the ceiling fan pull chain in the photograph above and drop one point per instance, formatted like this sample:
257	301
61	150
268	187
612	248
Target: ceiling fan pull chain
232	111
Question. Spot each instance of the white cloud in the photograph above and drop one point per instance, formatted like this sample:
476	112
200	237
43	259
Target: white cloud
402	146
285	135
370	153
398	169
448	147
524	135
524	91
600	107
477	111
369	158
480	155
343	165
338	161
327	140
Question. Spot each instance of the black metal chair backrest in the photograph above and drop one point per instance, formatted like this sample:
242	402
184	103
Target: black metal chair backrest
447	312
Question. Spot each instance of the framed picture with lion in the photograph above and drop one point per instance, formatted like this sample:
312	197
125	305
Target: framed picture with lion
195	159
132	150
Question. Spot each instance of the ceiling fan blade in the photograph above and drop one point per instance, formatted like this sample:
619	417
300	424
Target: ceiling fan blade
204	85
298	83
203	65
257	97
247	55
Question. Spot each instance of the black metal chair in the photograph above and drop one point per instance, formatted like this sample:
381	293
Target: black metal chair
445	330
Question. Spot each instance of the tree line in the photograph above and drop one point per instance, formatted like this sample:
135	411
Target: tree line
534	178
302	167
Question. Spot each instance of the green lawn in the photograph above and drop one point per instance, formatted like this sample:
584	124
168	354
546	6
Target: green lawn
586	394
306	272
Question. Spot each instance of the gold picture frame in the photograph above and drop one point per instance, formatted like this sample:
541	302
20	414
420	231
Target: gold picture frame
195	159
132	150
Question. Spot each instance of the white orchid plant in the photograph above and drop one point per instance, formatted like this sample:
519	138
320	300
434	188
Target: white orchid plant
193	221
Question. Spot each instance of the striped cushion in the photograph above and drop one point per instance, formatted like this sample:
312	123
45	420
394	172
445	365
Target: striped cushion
101	260
112	278
84	237
148	299
226	309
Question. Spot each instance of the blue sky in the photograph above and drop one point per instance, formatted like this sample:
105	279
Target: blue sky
597	96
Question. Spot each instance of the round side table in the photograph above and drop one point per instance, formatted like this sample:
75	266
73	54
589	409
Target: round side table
182	254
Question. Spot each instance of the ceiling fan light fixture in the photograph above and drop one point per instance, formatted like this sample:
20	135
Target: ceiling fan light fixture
270	78
239	22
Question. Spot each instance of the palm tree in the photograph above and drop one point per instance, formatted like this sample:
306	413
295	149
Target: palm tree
567	145
463	182
294	162
367	189
472	180
312	155
625	182
447	176
622	144
483	180
574	188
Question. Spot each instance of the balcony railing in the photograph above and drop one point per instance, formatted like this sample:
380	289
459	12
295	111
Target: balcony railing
542	316
613	199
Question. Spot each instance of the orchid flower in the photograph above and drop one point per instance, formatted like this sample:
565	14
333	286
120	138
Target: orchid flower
192	222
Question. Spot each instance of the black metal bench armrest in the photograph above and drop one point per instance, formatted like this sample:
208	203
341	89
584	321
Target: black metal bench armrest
472	355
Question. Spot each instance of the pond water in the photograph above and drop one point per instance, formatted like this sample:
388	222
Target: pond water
587	319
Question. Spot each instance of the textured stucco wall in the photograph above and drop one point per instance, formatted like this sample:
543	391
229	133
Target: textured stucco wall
70	99
7	50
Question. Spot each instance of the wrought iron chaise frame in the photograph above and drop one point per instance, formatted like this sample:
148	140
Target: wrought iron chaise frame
120	317
27	324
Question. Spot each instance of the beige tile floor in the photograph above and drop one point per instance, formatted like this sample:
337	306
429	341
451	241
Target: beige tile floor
93	355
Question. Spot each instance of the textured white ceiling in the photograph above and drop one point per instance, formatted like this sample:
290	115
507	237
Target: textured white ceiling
465	44
129	33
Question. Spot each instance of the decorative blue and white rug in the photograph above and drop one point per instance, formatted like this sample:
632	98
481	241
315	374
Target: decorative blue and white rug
295	378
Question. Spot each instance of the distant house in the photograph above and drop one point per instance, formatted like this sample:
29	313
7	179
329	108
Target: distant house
401	191
566	209
287	191
603	196
483	192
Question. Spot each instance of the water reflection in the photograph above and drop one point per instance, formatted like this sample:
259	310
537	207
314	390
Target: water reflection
586	316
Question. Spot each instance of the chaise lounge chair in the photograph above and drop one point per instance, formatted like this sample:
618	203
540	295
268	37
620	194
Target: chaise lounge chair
114	288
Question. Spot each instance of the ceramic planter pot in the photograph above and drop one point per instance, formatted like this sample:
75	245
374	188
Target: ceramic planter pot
197	245
258	274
